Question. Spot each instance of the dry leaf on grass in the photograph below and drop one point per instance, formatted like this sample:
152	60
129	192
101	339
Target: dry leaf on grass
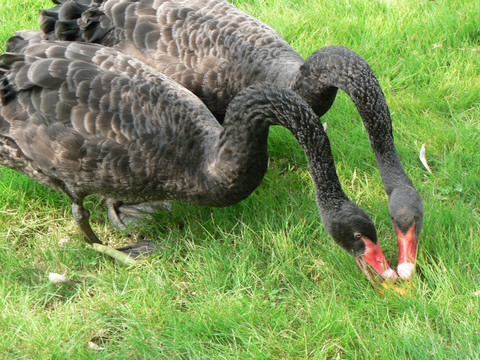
93	346
58	278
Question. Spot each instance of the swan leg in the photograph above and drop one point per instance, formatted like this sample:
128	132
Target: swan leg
123	214
82	218
135	250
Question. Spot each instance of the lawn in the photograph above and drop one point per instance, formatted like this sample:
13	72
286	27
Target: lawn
262	279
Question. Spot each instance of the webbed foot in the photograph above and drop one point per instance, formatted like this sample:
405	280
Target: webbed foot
125	254
123	214
139	249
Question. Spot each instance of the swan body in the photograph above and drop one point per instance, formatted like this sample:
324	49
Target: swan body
216	50
84	119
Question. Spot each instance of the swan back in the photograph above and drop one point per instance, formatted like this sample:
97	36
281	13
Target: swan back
209	46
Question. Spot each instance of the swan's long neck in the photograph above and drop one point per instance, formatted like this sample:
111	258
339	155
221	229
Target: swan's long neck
246	125
336	67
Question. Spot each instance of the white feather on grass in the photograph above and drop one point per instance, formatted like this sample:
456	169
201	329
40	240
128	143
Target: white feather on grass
423	158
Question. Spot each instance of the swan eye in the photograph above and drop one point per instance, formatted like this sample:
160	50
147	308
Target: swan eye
357	235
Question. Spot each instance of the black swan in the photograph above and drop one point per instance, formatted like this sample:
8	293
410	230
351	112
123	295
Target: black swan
83	119
215	50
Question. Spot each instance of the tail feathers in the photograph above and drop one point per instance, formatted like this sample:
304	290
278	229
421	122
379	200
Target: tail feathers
66	13
94	29
72	9
7	90
47	19
68	30
15	44
35	35
7	59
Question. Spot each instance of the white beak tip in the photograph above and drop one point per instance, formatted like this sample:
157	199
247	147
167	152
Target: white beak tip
406	270
390	274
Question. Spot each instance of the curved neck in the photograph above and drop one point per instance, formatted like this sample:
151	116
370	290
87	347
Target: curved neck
337	67
246	125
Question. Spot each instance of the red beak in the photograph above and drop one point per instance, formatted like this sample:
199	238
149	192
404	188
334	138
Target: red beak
407	252
374	257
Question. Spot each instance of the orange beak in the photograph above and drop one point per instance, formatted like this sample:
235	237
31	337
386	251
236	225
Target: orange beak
373	257
407	252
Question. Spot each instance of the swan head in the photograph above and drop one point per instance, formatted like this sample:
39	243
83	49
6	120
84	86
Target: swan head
353	230
406	211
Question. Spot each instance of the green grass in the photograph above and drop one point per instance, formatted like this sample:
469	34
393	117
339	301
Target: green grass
262	280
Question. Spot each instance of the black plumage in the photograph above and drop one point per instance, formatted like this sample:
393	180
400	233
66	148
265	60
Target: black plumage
96	120
215	50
